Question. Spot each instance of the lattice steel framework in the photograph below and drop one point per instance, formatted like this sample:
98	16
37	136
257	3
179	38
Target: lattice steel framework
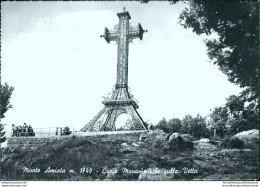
121	101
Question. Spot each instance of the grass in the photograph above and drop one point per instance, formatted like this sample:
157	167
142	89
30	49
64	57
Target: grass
74	153
97	152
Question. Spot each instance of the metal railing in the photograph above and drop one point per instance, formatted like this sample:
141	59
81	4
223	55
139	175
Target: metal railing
45	132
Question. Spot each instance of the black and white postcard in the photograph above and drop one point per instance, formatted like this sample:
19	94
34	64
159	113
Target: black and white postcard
130	91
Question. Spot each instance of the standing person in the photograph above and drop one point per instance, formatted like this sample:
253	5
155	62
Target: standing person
14	130
61	131
30	130
57	131
66	131
24	129
19	130
24	126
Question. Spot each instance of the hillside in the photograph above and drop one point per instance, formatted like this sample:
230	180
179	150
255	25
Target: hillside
158	156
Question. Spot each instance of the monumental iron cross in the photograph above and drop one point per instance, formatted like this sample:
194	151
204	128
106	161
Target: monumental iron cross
123	34
121	101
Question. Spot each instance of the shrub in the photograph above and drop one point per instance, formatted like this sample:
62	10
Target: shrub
232	143
213	142
179	143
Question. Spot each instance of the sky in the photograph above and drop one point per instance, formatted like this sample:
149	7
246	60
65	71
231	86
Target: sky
53	56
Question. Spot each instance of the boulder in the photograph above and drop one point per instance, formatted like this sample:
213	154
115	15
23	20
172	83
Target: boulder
204	146
118	165
174	136
128	150
156	134
125	162
142	137
135	165
204	140
187	137
250	137
155	174
165	157
135	145
124	144
157	139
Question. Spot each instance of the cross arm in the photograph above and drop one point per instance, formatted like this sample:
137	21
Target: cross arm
109	35
137	32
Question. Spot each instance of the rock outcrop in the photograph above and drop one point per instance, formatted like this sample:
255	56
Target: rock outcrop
250	138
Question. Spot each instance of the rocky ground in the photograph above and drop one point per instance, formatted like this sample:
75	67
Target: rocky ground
154	155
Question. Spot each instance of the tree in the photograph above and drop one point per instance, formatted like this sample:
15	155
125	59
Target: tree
175	125
199	127
244	115
5	95
195	126
186	123
219	121
251	116
163	125
236	50
235	105
6	92
237	115
2	134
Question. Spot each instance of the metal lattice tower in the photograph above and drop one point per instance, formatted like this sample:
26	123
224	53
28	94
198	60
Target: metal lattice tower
121	101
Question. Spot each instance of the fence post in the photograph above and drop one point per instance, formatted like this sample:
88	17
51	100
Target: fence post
41	133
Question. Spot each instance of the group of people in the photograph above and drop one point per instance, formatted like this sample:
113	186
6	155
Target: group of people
24	130
27	130
63	131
